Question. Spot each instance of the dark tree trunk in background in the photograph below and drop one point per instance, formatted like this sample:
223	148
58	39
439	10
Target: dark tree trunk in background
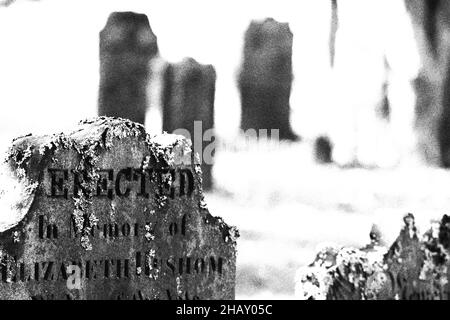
266	77
431	22
127	44
189	89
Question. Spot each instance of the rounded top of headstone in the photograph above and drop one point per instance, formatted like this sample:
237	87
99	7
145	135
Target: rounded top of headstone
192	69
269	29
128	17
128	31
267	54
94	135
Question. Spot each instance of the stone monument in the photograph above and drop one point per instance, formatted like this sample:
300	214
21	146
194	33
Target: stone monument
127	45
108	212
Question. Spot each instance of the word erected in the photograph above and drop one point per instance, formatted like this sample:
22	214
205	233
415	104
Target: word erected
65	183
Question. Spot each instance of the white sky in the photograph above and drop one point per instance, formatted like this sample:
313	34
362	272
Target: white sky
49	57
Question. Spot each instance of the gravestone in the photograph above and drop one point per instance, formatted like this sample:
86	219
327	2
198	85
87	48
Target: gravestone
415	267
266	77
418	265
108	212
323	150
188	104
127	45
345	273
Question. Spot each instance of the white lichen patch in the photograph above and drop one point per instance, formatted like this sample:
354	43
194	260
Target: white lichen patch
112	210
154	272
16	236
179	285
16	197
145	163
161	201
149	232
203	204
232	236
167	179
346	264
166	140
173	149
312	283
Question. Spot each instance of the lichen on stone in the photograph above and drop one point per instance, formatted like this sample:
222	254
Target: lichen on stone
338	271
89	140
372	272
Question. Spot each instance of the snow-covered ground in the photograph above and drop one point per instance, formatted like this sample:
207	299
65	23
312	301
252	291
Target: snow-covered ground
285	206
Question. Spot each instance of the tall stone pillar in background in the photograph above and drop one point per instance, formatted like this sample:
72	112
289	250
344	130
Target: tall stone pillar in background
266	77
431	22
127	44
188	103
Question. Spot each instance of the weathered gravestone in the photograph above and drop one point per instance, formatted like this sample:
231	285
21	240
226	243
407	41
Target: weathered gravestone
108	212
188	104
414	268
418	265
342	273
127	45
266	77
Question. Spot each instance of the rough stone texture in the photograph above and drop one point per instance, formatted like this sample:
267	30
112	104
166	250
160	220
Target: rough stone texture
266	77
405	258
127	45
189	89
342	274
418	265
414	268
125	207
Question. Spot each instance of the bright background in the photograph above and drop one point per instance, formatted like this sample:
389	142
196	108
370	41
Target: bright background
283	203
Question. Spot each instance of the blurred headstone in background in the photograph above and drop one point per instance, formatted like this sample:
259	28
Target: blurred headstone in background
431	23
323	150
127	45
266	77
188	107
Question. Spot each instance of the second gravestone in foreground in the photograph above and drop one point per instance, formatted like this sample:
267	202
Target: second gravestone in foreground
107	212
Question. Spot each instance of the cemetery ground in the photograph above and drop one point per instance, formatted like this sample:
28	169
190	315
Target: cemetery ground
285	206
